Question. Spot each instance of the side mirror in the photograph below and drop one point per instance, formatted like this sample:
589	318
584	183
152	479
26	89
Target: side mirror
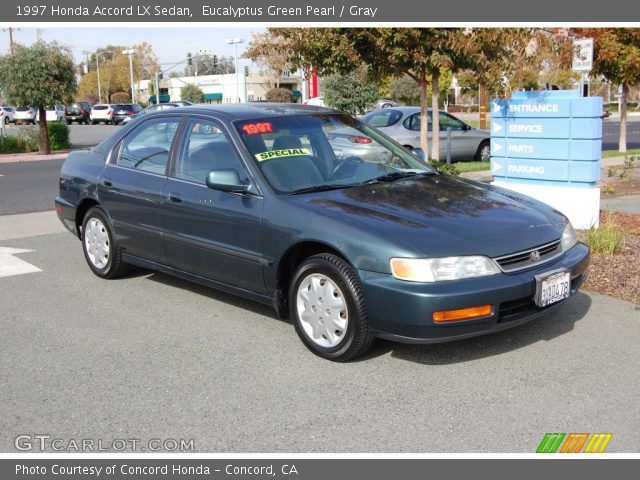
466	127
226	180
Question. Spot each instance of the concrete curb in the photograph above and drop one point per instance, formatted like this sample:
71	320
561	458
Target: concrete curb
32	157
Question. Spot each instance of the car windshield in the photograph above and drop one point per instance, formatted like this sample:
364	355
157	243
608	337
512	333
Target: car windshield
325	151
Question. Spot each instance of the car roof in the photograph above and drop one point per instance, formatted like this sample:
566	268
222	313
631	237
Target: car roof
243	111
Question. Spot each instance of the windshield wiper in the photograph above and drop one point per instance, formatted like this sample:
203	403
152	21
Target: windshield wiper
320	188
392	176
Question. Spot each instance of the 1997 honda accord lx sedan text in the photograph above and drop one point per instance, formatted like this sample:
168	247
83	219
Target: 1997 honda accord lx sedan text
253	200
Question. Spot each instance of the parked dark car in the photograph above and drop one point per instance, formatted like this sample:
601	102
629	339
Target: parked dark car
78	112
151	108
252	200
124	110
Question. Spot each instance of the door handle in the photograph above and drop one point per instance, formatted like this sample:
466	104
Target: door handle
174	197
107	182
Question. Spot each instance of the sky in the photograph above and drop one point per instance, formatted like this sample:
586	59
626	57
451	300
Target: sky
170	45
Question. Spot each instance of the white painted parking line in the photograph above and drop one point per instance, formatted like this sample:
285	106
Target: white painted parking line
10	265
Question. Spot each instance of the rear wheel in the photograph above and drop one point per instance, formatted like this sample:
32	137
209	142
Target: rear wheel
6	120
103	254
328	308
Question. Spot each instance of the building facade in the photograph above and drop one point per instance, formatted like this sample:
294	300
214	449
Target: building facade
218	89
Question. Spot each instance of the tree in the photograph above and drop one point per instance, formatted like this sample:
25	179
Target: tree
120	97
192	93
405	90
279	95
419	53
271	53
114	69
353	92
40	75
616	56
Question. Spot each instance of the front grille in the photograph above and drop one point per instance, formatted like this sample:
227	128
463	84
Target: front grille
525	259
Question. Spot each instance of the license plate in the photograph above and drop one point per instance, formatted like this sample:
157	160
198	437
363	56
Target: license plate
552	287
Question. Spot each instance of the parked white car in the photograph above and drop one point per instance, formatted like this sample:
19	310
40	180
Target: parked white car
102	112
26	115
56	114
7	115
317	101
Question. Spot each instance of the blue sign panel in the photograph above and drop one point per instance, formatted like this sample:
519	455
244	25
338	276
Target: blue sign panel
547	136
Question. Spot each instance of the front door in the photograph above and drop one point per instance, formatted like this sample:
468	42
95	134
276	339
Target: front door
207	232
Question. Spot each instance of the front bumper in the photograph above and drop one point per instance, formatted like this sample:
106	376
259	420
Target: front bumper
402	311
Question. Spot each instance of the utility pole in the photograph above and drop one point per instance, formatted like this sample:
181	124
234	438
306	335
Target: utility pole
11	44
130	52
98	74
235	42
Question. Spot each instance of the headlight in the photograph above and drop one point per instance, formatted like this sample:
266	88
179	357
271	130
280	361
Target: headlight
569	238
440	269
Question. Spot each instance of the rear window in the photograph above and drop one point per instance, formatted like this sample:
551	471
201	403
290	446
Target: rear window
23	109
382	118
100	107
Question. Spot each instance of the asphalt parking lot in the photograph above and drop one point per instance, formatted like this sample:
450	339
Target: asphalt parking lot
150	356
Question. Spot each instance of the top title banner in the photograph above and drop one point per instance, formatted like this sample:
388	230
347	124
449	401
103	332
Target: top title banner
316	11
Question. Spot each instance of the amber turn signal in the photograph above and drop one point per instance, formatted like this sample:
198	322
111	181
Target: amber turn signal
462	313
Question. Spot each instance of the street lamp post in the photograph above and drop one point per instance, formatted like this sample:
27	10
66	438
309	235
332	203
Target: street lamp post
130	52
98	74
235	42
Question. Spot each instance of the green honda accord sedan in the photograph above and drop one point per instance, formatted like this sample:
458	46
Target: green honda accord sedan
273	202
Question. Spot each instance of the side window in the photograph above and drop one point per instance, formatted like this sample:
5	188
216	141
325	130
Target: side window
206	147
413	122
447	121
383	118
147	147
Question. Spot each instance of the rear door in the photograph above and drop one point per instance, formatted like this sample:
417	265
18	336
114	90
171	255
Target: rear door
207	232
130	187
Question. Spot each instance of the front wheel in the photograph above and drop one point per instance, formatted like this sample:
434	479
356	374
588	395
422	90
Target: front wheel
102	253
328	308
484	152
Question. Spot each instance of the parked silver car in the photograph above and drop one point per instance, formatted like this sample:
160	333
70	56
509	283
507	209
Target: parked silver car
403	125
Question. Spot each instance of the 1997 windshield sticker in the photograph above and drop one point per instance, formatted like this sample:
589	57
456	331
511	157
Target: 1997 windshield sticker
286	152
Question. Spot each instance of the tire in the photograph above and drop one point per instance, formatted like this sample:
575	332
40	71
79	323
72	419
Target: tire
105	258
342	331
6	120
93	122
484	150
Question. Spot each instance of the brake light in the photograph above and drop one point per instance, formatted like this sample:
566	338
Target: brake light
361	140
132	112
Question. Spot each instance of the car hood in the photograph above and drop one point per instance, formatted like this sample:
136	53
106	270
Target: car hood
442	215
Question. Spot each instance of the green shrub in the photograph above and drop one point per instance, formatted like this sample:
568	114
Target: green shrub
28	139
10	144
607	239
449	168
630	161
58	135
612	171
